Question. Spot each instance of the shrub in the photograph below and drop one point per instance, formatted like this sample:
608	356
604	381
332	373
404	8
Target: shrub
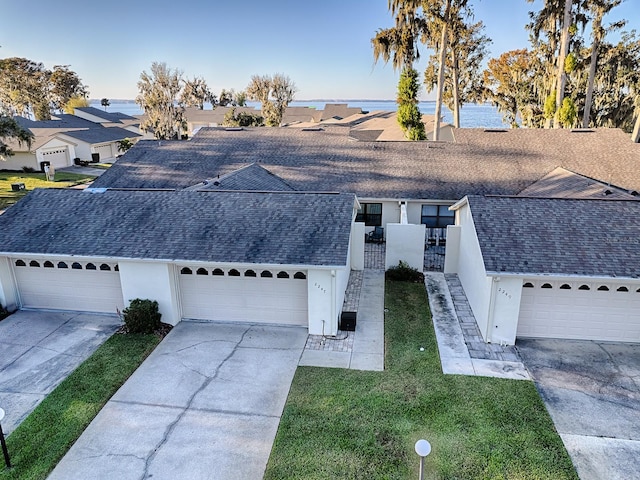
26	169
142	316
404	273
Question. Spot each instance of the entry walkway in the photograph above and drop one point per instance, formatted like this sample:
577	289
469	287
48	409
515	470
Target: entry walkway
205	404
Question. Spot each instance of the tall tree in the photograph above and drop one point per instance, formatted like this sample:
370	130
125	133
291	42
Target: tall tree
24	87
274	92
196	93
75	102
65	84
399	45
158	97
105	103
598	9
10	129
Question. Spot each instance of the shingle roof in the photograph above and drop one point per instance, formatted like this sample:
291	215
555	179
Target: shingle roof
561	183
101	134
58	122
477	163
113	117
274	228
252	177
558	236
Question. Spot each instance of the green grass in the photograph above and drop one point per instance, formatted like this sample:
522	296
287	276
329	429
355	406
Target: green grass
346	424
34	180
43	438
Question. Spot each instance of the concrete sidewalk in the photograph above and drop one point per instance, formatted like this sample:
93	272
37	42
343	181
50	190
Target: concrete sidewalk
205	404
38	350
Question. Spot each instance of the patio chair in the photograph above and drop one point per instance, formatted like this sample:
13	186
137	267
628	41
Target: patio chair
376	236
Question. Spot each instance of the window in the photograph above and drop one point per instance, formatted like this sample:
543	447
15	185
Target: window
370	214
20	263
116	268
300	276
249	273
218	272
603	288
186	271
33	263
437	216
62	265
283	275
234	273
76	266
48	264
90	266
266	274
528	285
584	287
202	271
104	267
546	285
565	286
622	289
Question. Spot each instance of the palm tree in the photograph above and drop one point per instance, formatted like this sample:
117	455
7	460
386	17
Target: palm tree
599	9
105	103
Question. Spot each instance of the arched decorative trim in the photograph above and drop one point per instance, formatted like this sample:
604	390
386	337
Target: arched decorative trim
283	275
20	263
622	289
584	287
186	271
62	265
48	264
527	285
603	288
76	266
105	268
234	273
33	263
202	271
546	285
565	286
218	271
266	274
250	273
300	276
89	266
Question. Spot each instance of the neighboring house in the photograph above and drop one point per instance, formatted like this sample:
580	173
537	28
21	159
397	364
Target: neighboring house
542	267
197	119
241	256
109	119
62	139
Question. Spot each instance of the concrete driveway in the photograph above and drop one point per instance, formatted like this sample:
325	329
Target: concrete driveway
40	349
592	391
205	404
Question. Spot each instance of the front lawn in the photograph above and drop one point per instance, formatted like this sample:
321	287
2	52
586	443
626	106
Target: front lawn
34	180
363	425
42	439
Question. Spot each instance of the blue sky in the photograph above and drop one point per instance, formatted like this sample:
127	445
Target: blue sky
323	46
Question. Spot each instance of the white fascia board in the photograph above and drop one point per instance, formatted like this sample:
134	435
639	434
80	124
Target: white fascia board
567	277
460	203
172	261
433	201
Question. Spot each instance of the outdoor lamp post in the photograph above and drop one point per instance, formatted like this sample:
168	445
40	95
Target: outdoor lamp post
5	452
423	448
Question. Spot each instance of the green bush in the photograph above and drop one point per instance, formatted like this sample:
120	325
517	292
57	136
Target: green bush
142	316
404	273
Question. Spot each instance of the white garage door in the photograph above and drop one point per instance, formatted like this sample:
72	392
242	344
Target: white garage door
580	310
259	296
104	151
57	157
64	285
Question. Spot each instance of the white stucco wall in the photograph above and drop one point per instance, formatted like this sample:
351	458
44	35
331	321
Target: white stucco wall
406	243
19	160
471	270
153	281
452	249
357	246
505	310
342	280
8	288
83	151
321	301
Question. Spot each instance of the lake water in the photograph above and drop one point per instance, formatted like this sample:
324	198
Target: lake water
471	116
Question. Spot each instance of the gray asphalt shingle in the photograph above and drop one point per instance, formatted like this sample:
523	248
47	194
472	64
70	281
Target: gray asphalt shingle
101	134
274	228
558	236
477	162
